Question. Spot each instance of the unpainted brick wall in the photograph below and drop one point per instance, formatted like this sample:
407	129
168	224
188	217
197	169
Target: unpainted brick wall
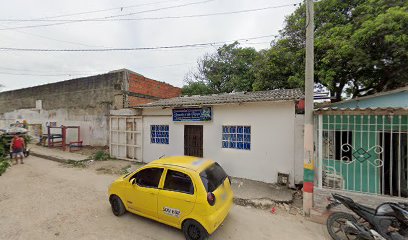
134	101
155	89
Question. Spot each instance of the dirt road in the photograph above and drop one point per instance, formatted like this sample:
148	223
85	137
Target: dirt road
45	200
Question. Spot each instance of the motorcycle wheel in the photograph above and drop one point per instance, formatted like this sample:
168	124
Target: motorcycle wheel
336	223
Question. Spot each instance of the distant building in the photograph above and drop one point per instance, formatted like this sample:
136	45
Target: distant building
83	102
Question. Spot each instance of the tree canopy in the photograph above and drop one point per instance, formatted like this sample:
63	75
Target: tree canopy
231	68
361	47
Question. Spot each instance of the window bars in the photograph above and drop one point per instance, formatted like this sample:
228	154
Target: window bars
363	153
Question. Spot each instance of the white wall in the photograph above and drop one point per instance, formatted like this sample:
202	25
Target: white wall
272	139
94	127
299	136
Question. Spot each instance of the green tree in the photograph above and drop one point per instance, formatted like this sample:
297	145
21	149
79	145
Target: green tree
229	69
361	48
196	88
360	45
278	66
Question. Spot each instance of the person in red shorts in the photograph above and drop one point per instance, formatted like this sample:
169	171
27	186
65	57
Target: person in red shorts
17	147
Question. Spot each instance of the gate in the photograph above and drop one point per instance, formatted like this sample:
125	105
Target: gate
363	151
125	138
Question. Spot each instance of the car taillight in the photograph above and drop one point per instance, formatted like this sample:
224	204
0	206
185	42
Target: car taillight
211	198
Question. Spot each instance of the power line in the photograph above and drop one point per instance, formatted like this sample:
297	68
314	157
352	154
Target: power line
113	16
154	18
136	19
129	48
74	14
40	75
103	10
42	71
74	73
53	39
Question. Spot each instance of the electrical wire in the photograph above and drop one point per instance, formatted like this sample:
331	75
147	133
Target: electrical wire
53	39
102	10
81	73
41	71
113	16
40	75
129	48
129	19
75	14
156	18
74	73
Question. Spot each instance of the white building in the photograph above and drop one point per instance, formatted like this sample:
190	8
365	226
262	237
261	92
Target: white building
252	135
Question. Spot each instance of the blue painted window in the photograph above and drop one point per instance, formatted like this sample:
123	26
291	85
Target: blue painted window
159	134
238	137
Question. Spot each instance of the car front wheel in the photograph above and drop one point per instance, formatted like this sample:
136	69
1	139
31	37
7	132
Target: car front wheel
117	205
194	231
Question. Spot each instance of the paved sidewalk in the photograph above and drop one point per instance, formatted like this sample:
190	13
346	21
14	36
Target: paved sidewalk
261	195
55	154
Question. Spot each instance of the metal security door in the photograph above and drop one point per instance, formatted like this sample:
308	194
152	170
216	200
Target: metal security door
193	140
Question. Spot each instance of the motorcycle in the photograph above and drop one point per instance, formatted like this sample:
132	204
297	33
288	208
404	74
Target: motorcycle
389	221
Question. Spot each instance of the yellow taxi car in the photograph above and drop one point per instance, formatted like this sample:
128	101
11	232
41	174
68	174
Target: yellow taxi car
189	193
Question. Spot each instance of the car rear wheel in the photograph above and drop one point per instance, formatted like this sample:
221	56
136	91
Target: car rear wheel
194	231
117	205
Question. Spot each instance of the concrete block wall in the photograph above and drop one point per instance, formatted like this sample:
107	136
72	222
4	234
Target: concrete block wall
83	102
88	92
320	196
94	124
134	101
149	90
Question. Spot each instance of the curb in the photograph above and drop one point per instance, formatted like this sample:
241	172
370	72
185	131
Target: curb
261	203
55	159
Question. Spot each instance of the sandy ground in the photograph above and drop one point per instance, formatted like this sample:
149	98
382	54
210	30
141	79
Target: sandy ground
46	200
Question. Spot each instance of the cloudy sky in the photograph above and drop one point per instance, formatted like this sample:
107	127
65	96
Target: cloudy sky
23	69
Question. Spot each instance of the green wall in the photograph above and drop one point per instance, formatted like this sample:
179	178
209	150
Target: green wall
362	174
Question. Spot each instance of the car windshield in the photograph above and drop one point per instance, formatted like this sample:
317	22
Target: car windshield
213	177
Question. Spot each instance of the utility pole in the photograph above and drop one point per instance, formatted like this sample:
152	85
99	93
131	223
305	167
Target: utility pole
308	131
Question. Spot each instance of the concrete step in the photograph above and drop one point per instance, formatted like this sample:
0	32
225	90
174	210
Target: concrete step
55	154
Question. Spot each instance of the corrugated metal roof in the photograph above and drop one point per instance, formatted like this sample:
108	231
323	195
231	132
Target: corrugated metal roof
359	99
371	111
225	98
398	90
357	109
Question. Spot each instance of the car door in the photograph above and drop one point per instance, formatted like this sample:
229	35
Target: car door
177	198
142	196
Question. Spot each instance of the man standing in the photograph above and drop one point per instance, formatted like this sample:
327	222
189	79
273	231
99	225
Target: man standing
17	147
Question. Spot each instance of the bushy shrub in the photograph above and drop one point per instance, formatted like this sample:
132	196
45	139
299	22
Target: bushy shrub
101	156
4	164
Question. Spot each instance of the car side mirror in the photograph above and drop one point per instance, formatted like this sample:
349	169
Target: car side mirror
133	181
